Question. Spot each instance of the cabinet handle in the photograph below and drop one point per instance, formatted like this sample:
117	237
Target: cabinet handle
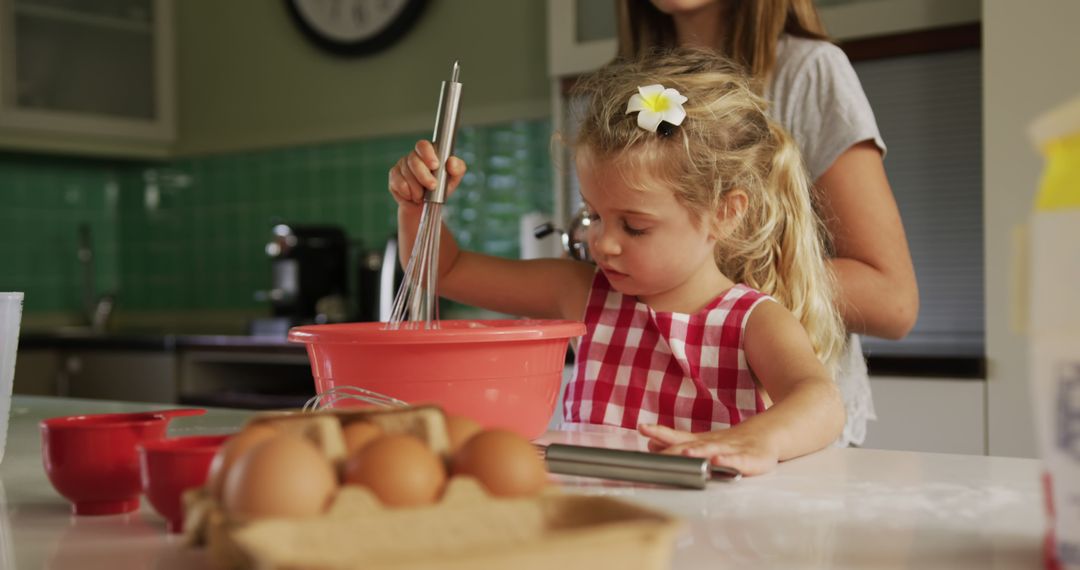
63	385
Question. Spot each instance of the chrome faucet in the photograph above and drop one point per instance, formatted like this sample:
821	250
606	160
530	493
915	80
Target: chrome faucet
96	309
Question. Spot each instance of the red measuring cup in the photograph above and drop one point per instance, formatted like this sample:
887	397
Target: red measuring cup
171	466
91	460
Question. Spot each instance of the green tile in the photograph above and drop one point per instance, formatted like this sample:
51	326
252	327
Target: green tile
201	248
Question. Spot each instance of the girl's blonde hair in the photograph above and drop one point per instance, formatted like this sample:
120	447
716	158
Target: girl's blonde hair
726	142
749	30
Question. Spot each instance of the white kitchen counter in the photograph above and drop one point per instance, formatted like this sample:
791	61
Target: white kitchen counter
840	508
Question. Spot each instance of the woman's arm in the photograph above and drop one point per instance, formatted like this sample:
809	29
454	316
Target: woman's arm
877	290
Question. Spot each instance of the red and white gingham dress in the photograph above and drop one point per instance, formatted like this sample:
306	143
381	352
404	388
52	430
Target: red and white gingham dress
636	365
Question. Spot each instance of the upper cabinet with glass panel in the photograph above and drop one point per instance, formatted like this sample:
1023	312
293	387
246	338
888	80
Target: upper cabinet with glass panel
87	75
581	35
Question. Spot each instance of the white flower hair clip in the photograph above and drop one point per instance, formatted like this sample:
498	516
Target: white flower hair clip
656	105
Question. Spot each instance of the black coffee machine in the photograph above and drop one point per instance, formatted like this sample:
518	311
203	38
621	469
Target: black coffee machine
309	277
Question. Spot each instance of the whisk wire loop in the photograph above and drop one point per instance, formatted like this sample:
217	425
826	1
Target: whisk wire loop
329	397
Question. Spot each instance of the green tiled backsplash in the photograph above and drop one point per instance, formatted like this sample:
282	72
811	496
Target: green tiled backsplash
189	234
43	201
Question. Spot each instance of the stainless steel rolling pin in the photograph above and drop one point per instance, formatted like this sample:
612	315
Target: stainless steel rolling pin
638	466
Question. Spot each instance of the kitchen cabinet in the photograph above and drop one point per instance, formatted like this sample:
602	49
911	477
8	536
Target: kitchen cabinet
128	375
37	372
87	77
581	36
940	415
245	378
106	374
213	370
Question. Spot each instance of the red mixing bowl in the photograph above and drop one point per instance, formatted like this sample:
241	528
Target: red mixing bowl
504	374
91	460
171	466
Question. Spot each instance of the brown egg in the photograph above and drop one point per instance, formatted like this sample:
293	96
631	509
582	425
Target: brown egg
233	448
503	461
359	434
400	469
286	476
460	429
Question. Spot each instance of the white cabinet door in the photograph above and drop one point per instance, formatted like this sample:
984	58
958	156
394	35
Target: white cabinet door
928	414
74	72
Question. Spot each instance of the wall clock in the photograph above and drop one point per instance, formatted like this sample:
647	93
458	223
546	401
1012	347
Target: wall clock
355	27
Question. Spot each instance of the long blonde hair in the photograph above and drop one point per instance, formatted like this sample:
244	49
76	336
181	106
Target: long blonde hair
749	32
726	142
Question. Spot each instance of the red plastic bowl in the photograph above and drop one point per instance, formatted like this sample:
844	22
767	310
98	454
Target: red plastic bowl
171	466
91	460
503	374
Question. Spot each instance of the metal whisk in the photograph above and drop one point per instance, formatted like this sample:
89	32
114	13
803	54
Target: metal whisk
417	297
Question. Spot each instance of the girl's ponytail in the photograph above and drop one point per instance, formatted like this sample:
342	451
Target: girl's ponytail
790	239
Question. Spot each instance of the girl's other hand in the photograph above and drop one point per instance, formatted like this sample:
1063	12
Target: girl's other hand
415	172
746	450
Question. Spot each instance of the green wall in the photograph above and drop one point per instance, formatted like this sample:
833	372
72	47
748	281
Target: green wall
270	128
247	78
45	200
181	242
193	231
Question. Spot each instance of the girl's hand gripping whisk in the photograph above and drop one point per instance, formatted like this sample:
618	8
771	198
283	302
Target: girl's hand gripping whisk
414	174
425	177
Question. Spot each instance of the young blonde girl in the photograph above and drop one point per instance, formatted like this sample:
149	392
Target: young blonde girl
710	319
813	91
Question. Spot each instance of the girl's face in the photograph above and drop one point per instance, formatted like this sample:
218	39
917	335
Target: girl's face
647	243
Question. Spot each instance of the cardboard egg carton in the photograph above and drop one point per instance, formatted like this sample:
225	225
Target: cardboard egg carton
465	529
324	428
205	521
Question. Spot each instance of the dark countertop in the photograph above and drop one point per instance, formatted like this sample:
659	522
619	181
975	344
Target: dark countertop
151	340
908	366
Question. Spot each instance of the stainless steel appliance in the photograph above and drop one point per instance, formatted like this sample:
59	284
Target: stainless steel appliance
575	240
378	276
389	279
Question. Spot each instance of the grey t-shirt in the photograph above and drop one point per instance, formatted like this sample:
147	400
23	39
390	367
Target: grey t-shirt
815	94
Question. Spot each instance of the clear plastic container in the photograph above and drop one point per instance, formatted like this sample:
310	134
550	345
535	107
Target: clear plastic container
1054	327
10	317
